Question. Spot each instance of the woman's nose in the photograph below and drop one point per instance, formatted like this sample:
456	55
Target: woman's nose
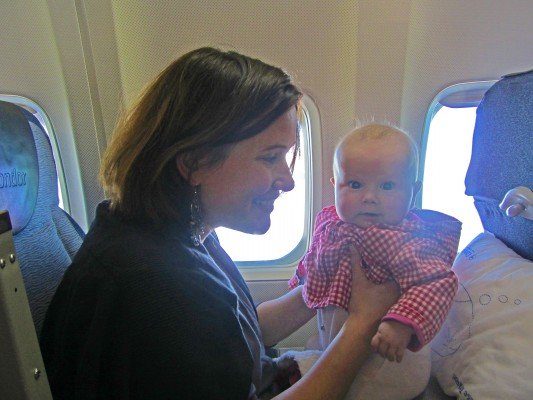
285	181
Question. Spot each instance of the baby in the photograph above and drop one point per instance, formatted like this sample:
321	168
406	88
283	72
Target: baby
375	180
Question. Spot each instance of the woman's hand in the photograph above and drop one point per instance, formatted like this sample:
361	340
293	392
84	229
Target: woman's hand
333	373
369	300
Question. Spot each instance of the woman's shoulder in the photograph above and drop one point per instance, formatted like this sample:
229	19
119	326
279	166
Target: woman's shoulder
158	294
141	261
138	264
114	240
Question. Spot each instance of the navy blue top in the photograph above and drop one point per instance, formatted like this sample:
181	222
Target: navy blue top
143	314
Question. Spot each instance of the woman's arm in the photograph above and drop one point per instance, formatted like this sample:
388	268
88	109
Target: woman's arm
280	317
334	372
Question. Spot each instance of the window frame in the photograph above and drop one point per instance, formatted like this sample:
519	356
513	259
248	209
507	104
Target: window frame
459	95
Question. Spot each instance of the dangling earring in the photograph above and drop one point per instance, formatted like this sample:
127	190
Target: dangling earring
196	225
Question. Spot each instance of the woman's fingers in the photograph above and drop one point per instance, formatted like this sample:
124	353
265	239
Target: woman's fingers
367	297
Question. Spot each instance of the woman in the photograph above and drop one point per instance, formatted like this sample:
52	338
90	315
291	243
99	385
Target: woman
152	307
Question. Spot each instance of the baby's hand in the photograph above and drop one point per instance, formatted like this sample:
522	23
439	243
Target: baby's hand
391	340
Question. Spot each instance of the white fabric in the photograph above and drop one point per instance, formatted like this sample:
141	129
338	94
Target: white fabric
379	379
484	349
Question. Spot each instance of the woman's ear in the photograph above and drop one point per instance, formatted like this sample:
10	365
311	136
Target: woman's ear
185	172
332	180
182	168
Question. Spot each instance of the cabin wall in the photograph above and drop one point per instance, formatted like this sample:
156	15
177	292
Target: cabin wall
358	60
315	42
32	66
459	41
82	60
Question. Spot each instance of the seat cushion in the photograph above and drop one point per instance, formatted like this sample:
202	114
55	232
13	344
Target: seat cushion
484	347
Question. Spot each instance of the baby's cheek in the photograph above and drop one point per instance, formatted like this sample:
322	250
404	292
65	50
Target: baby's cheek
346	206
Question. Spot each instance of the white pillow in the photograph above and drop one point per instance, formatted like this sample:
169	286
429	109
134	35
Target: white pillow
485	348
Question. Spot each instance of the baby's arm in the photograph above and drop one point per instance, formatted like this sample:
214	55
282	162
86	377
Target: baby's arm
424	308
391	339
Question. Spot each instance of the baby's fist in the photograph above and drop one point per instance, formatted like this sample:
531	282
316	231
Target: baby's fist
391	339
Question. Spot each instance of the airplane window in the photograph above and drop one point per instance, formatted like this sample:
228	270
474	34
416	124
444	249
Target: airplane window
41	116
287	238
447	157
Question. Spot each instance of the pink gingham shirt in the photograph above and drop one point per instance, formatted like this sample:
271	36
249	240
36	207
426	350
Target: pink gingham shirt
418	254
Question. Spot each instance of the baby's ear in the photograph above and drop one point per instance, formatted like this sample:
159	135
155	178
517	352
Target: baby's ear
416	189
332	180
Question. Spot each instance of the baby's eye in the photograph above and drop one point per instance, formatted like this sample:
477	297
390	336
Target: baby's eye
387	185
354	184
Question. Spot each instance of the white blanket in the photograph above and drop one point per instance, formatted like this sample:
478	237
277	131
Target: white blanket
379	379
484	350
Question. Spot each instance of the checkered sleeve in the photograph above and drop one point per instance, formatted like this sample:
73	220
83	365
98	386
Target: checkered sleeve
325	270
424	308
309	259
422	268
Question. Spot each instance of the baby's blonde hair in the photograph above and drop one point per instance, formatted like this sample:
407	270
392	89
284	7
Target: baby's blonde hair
379	131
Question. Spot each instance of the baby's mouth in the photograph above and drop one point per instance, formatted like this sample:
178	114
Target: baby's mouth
370	214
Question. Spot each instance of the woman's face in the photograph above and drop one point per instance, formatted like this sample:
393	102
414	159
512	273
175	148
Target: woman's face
240	192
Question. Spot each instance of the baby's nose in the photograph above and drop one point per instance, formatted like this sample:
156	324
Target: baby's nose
370	196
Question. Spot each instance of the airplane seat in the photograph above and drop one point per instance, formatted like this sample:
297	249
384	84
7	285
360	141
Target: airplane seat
46	238
483	349
502	158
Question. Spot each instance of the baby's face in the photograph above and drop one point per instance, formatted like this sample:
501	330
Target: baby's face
373	184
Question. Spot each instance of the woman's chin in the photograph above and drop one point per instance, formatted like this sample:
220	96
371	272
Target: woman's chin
262	228
256	227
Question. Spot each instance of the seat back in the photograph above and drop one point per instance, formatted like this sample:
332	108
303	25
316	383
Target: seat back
46	238
502	158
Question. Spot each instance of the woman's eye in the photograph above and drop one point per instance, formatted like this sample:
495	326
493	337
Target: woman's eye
355	185
270	159
387	186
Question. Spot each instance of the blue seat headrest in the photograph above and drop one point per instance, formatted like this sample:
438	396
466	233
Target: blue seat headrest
46	238
19	169
502	158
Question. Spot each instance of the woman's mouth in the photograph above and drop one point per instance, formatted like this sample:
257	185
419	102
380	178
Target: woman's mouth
266	205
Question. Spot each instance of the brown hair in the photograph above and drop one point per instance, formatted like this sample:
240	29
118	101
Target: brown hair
195	109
